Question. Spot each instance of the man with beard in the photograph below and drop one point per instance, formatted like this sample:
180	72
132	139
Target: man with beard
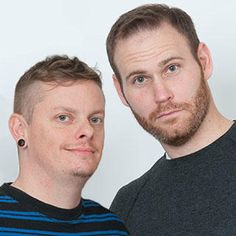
58	124
161	71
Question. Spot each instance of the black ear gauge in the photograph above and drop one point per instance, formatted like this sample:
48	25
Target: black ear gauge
21	142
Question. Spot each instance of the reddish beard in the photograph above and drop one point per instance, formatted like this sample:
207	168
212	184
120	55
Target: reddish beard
173	132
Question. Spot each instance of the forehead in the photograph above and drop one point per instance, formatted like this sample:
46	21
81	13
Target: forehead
79	96
163	41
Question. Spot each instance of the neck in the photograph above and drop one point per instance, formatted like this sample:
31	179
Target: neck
213	127
60	193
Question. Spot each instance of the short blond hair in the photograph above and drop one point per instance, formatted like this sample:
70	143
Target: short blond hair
58	69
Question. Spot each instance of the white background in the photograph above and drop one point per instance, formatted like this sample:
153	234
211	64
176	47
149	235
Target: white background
30	30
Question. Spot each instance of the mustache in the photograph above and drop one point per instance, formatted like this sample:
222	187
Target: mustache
167	108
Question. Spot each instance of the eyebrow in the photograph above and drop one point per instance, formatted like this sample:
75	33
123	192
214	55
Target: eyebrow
160	64
99	111
136	72
167	60
71	110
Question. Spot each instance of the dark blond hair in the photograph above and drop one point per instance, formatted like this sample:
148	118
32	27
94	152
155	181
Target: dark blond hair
149	17
55	69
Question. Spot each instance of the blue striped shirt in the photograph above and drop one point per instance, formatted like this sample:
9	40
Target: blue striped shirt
21	214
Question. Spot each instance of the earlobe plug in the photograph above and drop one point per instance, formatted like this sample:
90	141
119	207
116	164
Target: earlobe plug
21	142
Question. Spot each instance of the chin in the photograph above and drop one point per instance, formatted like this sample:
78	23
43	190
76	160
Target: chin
84	173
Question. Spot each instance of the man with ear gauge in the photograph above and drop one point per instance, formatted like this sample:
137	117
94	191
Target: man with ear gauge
58	124
161	73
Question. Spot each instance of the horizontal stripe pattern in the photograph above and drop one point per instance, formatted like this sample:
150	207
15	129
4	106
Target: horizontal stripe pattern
4	231
23	219
7	199
39	217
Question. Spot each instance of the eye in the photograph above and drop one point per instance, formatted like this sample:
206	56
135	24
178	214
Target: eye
139	80
172	68
96	120
63	118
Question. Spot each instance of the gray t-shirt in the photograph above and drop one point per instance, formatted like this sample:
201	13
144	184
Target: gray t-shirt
191	195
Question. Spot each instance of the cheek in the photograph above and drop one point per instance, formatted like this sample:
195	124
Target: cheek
189	94
98	139
43	138
141	102
189	83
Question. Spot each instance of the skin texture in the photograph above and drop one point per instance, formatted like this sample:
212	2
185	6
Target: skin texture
64	140
166	88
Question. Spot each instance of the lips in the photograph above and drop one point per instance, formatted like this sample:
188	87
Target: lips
167	113
81	150
167	110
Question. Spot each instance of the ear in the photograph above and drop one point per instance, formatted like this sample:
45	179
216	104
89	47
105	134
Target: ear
205	59
119	90
17	126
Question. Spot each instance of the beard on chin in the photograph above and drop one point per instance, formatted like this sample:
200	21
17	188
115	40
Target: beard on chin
174	133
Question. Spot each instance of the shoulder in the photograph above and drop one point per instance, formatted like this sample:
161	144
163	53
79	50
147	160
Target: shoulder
136	185
127	195
90	204
93	207
93	211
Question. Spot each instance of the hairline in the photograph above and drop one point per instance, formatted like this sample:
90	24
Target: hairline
35	95
121	37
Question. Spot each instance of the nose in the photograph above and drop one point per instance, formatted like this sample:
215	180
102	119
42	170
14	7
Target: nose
84	130
162	92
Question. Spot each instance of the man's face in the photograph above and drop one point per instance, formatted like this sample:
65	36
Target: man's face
66	132
197	108
163	84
